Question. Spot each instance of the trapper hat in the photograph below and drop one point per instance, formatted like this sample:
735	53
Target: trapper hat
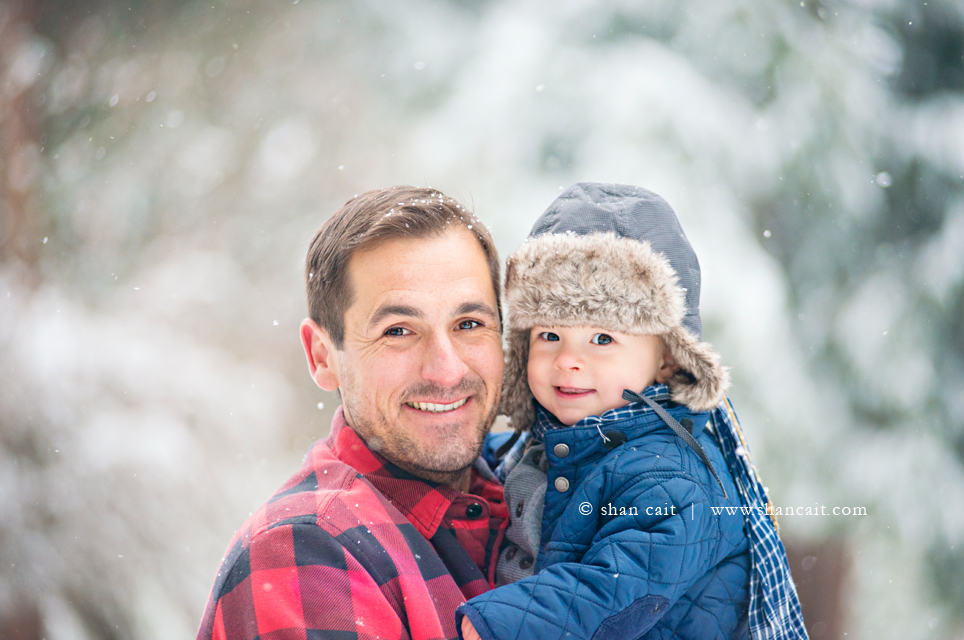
613	256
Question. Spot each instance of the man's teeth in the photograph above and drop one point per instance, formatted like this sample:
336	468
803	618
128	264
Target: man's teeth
436	408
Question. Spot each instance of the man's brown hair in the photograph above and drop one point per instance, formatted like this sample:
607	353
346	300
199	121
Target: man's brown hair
374	217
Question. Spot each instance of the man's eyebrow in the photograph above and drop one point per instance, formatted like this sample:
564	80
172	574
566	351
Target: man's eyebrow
475	307
393	310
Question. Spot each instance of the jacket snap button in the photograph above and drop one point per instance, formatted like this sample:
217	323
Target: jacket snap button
525	563
473	511
518	509
562	485
561	449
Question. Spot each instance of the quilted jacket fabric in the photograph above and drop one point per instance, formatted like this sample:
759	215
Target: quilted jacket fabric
636	541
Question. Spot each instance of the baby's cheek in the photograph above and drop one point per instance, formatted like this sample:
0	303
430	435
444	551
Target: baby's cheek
613	399
538	391
535	376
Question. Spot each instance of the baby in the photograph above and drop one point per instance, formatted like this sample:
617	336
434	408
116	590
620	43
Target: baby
636	512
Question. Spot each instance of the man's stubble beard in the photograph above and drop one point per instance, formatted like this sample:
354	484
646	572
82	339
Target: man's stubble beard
442	463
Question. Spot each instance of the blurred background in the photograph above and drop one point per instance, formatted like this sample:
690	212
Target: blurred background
164	164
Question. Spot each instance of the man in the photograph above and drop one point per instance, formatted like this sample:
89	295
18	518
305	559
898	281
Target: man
393	520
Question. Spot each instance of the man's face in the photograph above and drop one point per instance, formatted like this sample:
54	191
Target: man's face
420	371
575	372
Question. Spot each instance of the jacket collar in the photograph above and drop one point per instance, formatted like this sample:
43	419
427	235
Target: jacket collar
586	440
545	421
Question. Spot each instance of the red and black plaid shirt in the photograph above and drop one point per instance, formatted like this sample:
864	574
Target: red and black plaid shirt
354	547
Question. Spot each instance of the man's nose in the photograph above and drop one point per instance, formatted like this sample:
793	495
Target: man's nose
443	363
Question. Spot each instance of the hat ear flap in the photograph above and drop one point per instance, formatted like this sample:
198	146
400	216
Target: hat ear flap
516	396
701	381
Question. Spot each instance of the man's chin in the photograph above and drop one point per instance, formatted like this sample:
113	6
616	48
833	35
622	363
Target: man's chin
441	466
446	457
448	453
434	429
435	448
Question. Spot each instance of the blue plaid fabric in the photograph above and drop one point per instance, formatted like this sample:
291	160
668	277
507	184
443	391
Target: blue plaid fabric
774	606
512	456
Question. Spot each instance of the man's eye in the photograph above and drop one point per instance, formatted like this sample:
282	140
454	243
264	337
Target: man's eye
601	338
397	331
549	336
469	324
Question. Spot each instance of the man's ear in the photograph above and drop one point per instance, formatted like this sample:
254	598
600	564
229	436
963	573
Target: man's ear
322	355
667	367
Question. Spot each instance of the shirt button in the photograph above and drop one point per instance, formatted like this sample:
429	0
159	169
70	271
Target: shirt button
518	509
525	563
473	511
561	450
561	484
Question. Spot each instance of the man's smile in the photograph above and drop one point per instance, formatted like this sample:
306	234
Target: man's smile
433	407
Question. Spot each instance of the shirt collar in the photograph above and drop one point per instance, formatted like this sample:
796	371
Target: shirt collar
424	503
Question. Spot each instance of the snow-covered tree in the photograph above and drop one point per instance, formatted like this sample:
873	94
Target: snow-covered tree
163	166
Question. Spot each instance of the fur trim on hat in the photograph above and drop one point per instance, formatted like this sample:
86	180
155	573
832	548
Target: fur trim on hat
607	281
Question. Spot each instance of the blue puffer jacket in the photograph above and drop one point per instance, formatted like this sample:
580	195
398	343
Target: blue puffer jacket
632	547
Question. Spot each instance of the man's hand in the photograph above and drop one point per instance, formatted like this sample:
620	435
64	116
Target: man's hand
468	631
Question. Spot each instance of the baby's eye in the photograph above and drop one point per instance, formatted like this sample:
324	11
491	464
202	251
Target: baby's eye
601	338
549	336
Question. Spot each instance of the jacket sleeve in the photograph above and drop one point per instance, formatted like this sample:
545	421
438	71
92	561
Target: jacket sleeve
637	566
292	579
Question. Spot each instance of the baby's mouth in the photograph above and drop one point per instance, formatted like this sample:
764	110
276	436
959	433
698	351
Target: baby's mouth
573	391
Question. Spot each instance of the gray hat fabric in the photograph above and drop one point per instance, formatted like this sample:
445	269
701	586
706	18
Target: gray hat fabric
613	256
629	212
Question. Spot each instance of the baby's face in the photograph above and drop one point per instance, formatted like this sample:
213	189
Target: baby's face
576	372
